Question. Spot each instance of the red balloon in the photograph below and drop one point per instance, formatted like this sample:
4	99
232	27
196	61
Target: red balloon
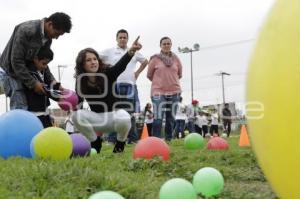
150	147
217	143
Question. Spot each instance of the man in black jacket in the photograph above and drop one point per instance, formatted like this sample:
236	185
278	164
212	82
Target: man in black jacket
24	44
227	119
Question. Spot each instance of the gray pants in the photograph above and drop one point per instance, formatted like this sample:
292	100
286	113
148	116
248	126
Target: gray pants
13	89
89	122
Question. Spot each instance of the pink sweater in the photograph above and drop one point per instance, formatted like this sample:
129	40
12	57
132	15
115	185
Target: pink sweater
165	80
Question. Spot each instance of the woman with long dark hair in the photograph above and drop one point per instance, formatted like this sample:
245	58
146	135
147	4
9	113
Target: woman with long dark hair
148	115
95	84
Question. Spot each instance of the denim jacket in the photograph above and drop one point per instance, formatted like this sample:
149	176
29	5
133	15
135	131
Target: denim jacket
22	47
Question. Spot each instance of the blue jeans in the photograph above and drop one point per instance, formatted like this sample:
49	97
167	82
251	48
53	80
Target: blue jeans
164	105
179	127
191	126
13	89
112	137
129	92
129	95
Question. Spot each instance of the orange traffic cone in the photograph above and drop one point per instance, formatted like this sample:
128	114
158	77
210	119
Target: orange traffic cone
244	139
145	132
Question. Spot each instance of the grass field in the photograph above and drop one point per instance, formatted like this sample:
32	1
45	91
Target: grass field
133	179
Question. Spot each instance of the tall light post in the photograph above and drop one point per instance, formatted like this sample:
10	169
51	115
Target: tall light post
221	73
196	47
58	67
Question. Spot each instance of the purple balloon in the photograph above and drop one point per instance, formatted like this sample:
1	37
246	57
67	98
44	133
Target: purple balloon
68	101
81	145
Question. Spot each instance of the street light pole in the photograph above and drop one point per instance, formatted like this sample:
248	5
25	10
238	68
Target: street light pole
58	67
196	47
192	79
223	88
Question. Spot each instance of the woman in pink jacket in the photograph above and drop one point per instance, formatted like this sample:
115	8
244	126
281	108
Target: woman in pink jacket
164	71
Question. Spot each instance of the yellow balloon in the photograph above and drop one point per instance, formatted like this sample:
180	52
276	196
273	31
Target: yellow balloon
53	143
274	87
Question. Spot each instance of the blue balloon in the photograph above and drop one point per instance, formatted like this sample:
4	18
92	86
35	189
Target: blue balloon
17	128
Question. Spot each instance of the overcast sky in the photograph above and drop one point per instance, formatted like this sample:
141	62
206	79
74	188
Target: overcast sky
210	23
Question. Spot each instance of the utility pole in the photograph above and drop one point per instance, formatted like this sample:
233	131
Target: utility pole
196	47
221	73
59	75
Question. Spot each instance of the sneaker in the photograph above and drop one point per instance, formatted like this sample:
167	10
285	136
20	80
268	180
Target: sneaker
119	147
97	144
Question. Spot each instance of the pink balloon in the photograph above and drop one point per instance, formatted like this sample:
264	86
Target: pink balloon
150	147
68	101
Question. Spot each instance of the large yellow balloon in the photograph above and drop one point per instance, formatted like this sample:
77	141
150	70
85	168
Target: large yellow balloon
274	85
53	143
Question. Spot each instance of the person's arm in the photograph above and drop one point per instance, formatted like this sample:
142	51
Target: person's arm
18	56
179	68
80	98
49	75
151	68
49	86
51	82
80	103
119	67
141	68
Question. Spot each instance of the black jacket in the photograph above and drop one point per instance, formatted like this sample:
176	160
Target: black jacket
108	101
39	102
23	45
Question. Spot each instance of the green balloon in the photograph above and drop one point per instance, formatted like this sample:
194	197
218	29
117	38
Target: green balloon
208	181
106	195
193	141
177	188
93	152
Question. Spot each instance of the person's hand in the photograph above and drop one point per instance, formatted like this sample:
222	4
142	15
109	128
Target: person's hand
54	82
61	88
135	46
39	88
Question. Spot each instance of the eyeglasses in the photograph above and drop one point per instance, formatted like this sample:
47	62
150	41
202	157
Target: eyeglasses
165	44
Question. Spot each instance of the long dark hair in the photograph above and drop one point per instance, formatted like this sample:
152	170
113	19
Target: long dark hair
147	109
79	69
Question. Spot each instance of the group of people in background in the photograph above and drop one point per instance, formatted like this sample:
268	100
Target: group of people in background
106	80
192	118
